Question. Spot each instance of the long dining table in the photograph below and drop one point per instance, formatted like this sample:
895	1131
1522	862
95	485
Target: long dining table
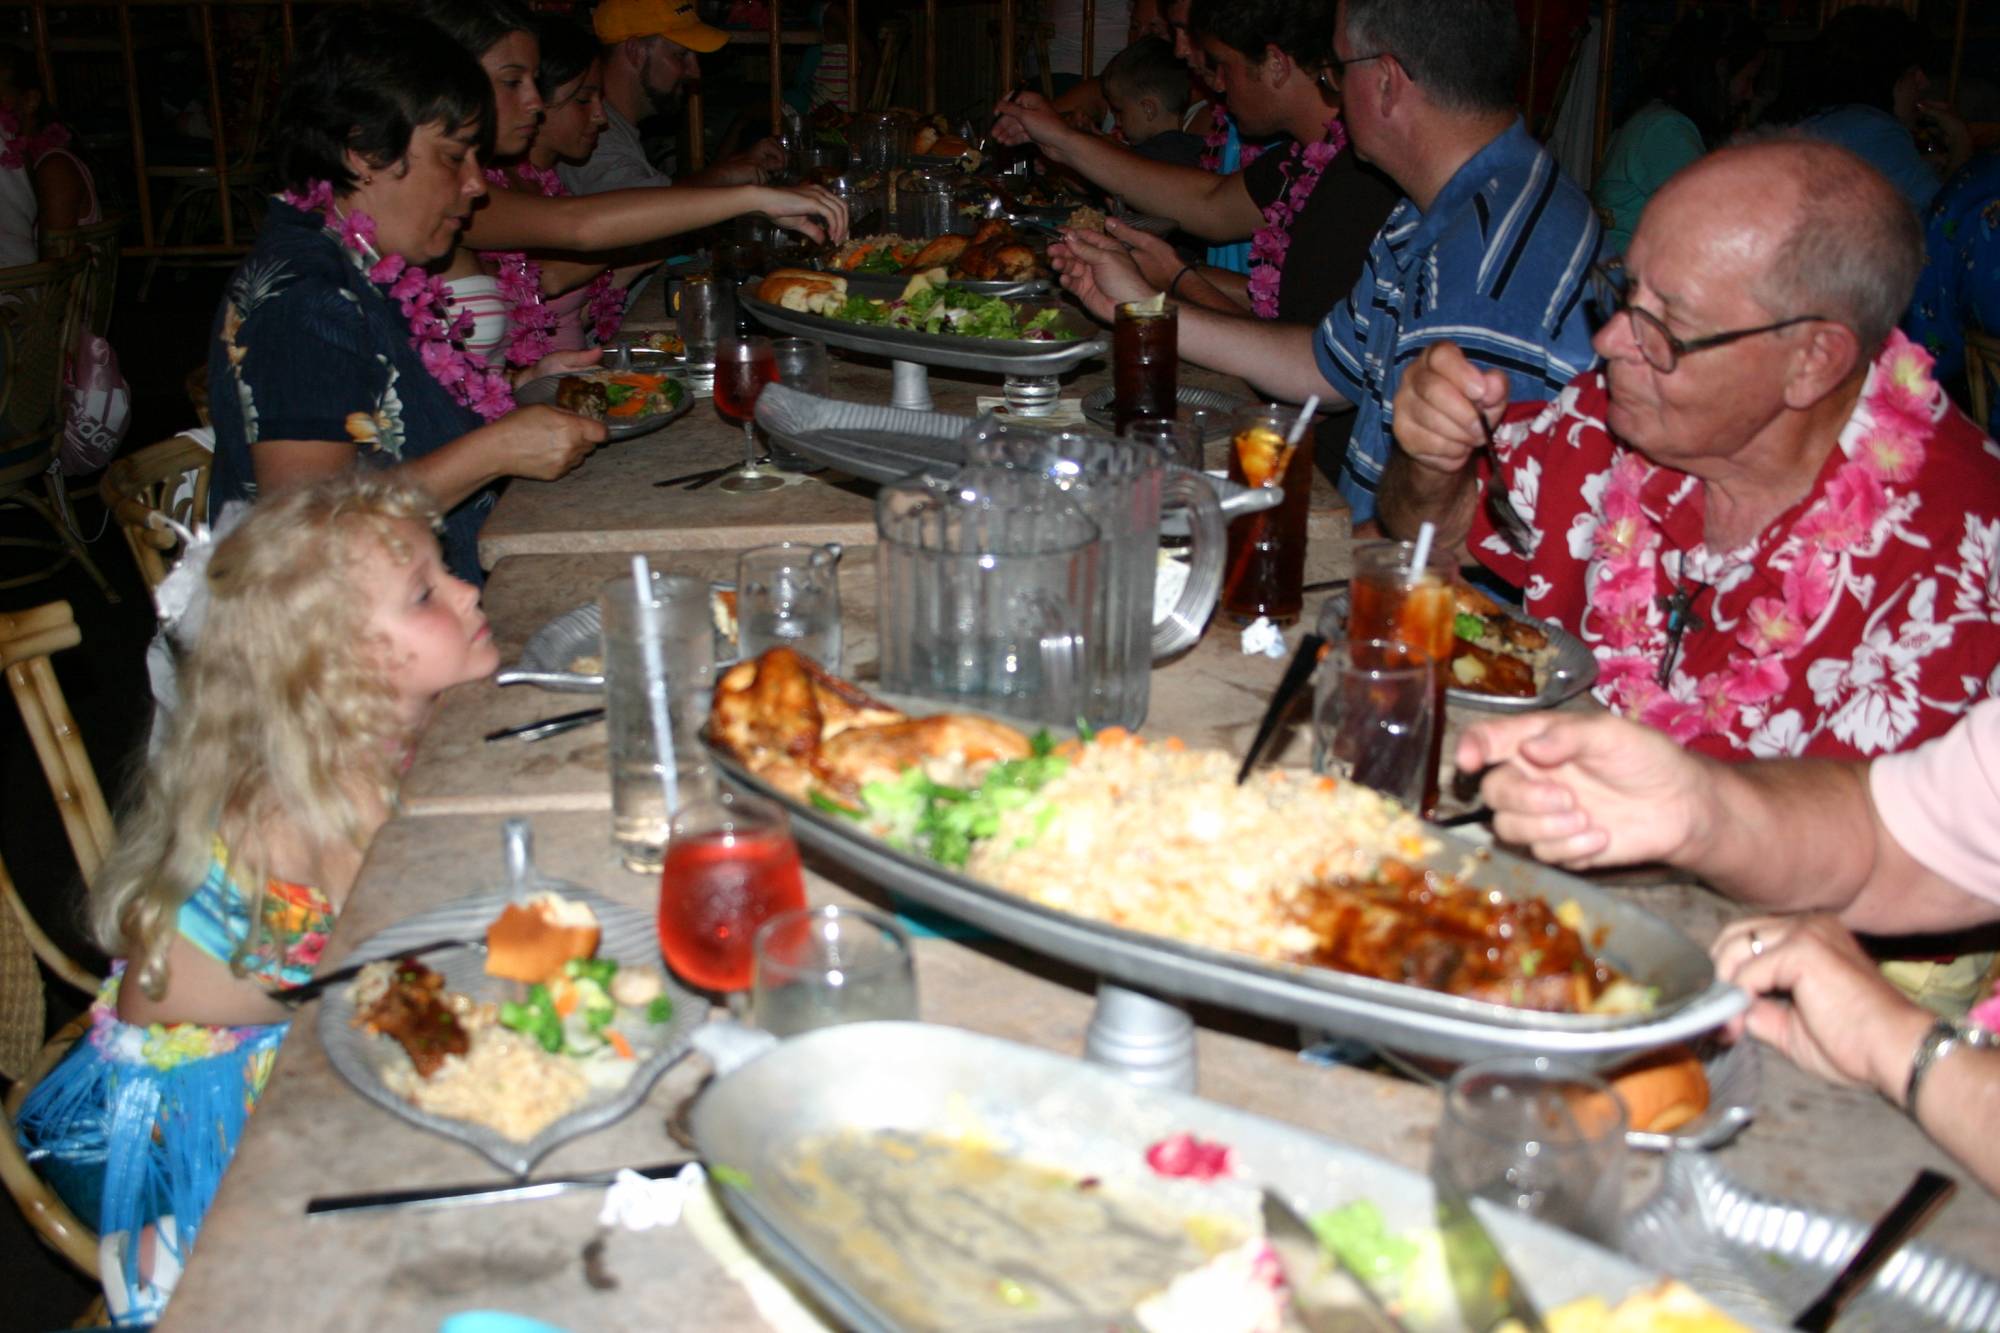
1822	1146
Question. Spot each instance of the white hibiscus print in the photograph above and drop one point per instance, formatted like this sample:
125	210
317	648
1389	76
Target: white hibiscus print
1781	736
1871	700
1583	528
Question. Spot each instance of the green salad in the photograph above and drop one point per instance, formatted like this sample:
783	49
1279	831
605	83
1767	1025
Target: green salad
914	812
928	307
578	1016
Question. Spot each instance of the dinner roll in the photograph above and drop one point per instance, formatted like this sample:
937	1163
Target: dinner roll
531	941
803	290
1664	1090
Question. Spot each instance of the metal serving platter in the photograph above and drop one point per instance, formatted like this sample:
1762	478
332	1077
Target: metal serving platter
889	286
1210	409
1573	671
1764	1259
1052	1111
995	356
628	935
543	390
884	444
579	632
1690	1000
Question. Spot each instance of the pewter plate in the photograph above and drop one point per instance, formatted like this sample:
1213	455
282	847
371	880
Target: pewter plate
1210	409
544	389
997	356
628	936
1764	1259
549	651
1573	671
1058	1112
1690	999
885	444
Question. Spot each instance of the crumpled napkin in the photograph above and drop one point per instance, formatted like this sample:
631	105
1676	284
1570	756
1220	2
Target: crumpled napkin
1260	636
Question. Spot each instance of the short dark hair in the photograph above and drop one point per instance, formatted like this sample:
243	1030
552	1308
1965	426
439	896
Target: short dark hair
365	79
1464	54
476	25
1149	68
567	50
1860	55
1701	56
1302	29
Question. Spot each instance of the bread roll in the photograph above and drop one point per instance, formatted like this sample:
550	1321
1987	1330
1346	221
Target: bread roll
804	290
923	140
1664	1090
531	941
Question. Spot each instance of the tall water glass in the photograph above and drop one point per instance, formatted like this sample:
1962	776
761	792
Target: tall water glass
1539	1135
1122	487
875	143
702	318
825	966
679	610
986	587
788	596
1374	712
802	365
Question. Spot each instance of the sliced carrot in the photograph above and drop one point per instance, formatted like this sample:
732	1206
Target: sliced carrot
619	1044
631	407
1113	736
564	997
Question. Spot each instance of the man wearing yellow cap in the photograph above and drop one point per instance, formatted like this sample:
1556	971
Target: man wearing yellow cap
651	49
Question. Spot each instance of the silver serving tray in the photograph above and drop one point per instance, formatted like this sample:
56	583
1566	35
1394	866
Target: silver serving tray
1691	999
995	356
543	390
628	936
884	444
889	286
1764	1259
546	656
1060	1112
1211	409
1573	671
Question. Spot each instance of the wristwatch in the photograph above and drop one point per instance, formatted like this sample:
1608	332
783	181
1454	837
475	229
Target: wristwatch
1943	1037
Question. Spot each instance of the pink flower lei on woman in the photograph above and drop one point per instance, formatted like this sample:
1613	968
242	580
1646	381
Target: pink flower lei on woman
1270	242
435	332
531	324
25	150
1901	407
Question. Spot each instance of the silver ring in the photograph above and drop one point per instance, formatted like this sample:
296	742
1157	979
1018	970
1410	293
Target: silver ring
1756	946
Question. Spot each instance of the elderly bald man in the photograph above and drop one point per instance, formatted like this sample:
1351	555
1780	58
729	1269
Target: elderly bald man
1762	514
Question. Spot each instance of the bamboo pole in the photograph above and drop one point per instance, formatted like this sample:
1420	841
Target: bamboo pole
215	120
138	127
1006	47
777	69
853	55
46	66
1089	34
930	57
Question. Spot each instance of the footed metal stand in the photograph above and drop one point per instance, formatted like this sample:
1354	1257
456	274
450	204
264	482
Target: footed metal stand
912	388
1149	1041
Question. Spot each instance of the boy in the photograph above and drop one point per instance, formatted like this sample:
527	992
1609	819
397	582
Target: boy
1146	86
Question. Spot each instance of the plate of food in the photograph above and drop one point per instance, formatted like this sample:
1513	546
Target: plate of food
567	653
558	1026
1293	896
992	257
629	402
975	1183
1503	660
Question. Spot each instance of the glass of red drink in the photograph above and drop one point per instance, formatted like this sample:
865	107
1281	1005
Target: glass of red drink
1264	564
743	366
1145	363
731	865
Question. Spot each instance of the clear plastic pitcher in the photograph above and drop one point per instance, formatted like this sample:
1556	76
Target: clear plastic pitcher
986	583
1122	487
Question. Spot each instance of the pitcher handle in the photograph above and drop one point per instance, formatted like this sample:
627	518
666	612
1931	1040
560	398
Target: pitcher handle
1183	625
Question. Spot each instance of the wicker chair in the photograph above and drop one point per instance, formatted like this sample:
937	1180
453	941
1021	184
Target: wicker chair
153	483
26	640
99	243
1982	374
41	308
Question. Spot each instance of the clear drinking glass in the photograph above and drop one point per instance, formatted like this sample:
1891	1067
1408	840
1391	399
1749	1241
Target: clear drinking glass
1414	607
825	966
875	142
1174	441
1538	1135
701	317
680	612
788	596
743	366
1267	550
1374	712
802	365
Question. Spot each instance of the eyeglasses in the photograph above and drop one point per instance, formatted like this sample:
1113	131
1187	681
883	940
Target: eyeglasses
1330	74
1611	291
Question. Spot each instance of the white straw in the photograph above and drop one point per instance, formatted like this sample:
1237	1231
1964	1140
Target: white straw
1419	557
656	683
1305	418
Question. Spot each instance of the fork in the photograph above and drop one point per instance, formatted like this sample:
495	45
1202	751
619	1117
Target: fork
1514	529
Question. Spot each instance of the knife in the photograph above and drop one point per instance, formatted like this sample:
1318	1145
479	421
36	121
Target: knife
1327	1296
459	1196
1926	1194
548	726
1487	1289
1297	673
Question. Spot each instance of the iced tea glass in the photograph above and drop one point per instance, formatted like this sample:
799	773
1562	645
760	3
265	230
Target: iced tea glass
1374	712
1264	565
1145	362
1391	599
731	865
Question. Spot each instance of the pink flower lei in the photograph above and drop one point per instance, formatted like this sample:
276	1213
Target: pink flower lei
25	150
1900	414
435	332
1217	142
1270	242
531	325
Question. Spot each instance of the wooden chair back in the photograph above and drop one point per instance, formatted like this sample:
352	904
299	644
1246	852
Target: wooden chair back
98	242
26	640
41	308
1982	375
149	485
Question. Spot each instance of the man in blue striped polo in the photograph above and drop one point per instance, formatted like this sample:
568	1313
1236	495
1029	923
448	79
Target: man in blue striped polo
1490	247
